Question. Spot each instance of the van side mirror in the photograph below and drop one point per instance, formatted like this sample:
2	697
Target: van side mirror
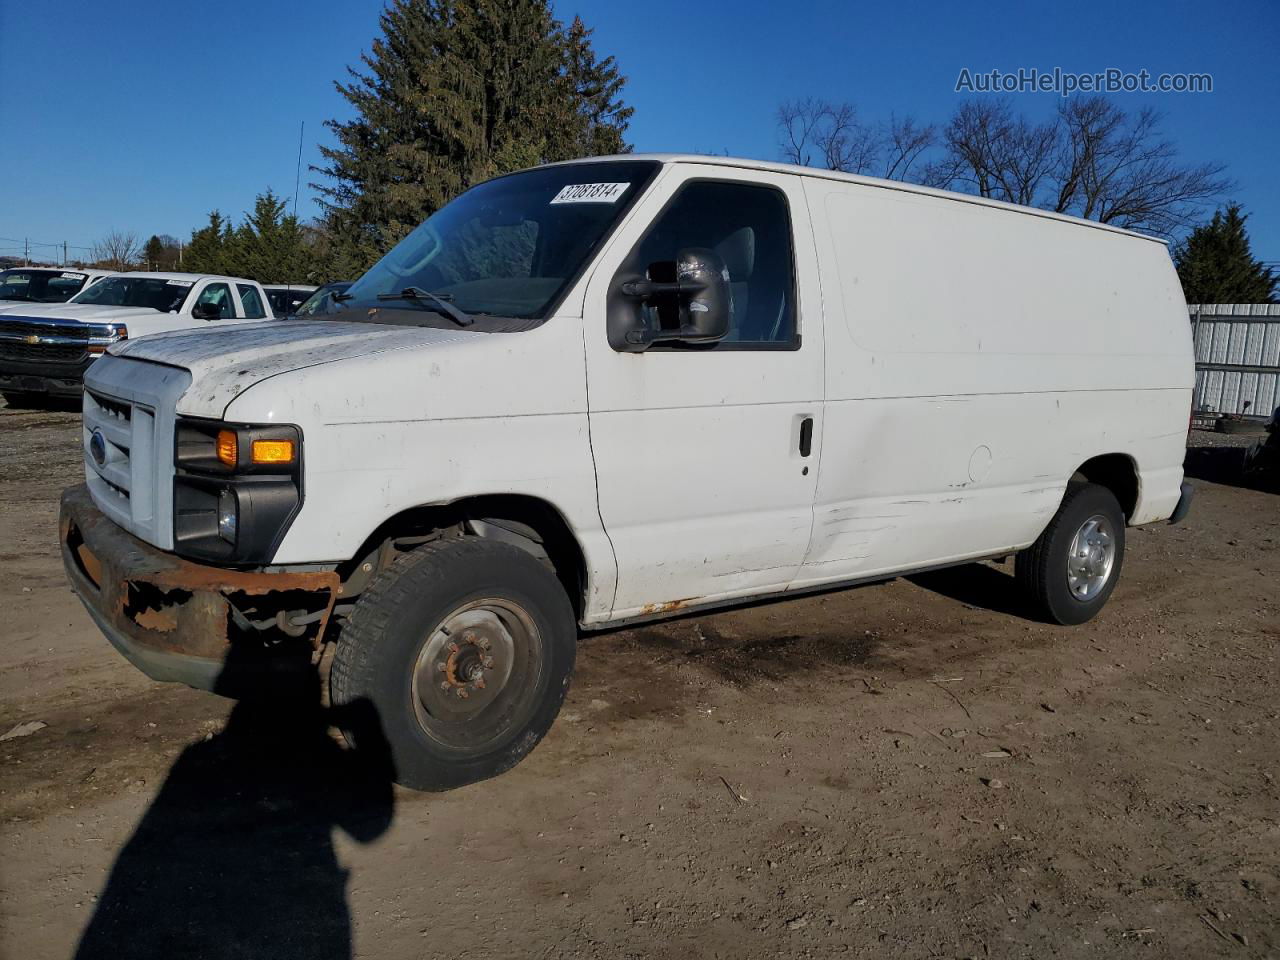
699	295
206	311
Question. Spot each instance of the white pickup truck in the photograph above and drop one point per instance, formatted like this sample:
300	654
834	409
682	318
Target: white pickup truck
45	348
601	392
20	286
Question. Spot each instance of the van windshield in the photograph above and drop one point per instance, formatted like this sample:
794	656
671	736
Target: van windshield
506	248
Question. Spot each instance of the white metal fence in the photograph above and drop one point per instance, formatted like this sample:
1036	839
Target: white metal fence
1237	357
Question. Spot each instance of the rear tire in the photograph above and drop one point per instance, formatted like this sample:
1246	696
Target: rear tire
1071	570
464	649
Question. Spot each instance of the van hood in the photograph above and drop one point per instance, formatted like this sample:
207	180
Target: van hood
81	312
225	362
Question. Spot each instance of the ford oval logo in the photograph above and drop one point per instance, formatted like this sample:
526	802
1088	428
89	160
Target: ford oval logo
98	448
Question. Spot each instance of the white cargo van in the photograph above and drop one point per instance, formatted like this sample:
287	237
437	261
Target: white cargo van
602	392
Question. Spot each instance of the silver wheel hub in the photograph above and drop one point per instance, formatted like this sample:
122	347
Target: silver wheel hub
1092	558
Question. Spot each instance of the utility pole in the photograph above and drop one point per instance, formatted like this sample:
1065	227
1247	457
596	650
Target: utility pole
64	253
26	252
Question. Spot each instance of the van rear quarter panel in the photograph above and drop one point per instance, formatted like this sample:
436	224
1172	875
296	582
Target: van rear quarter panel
976	357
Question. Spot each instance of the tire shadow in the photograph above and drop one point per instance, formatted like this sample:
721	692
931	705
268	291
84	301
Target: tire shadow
978	585
235	856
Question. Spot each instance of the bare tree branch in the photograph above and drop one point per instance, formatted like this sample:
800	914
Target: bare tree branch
998	154
831	133
117	250
796	121
1092	160
904	143
1116	168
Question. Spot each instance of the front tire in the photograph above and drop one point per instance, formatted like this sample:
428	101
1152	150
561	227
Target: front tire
464	649
1072	569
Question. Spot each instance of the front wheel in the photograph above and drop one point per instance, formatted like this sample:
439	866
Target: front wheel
463	649
1071	570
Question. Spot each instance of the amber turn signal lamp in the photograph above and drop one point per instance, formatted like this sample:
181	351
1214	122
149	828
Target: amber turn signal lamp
227	451
272	451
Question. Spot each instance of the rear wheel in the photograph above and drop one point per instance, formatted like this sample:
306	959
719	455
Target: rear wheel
1071	570
464	650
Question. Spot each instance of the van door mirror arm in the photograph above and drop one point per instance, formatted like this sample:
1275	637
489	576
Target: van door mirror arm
701	291
652	289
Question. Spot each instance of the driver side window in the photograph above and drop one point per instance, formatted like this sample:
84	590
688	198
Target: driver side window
219	295
750	228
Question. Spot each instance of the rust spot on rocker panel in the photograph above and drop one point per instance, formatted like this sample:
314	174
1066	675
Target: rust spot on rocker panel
670	606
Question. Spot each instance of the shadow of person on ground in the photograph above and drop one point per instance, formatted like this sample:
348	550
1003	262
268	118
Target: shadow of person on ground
977	585
235	856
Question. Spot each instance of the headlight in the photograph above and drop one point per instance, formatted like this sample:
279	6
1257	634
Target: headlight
114	333
228	515
236	489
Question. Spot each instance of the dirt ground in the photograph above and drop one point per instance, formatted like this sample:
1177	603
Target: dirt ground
913	769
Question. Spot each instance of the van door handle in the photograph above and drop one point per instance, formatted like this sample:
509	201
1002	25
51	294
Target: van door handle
806	436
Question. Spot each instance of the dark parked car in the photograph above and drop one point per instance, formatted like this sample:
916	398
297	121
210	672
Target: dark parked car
1262	462
322	301
285	299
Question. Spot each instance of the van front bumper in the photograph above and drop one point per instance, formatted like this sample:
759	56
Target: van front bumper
173	619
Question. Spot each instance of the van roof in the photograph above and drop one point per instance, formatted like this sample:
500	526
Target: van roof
818	173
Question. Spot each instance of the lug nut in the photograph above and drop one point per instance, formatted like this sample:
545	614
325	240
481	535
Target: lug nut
488	662
453	647
479	683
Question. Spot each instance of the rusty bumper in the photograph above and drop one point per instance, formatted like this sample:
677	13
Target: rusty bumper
173	619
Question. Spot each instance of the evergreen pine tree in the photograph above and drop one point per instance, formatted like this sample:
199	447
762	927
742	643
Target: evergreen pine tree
206	252
153	254
1216	264
458	91
269	245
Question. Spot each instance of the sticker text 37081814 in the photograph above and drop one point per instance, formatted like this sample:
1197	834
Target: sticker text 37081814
590	193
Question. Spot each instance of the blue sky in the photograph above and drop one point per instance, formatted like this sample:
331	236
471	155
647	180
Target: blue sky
144	116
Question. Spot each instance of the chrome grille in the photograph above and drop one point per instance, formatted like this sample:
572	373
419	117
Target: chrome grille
53	340
129	405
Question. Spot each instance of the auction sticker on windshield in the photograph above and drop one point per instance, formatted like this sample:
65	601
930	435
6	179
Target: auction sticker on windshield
180	283
73	276
590	193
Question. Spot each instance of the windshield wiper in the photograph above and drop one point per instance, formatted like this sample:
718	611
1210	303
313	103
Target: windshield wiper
437	301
